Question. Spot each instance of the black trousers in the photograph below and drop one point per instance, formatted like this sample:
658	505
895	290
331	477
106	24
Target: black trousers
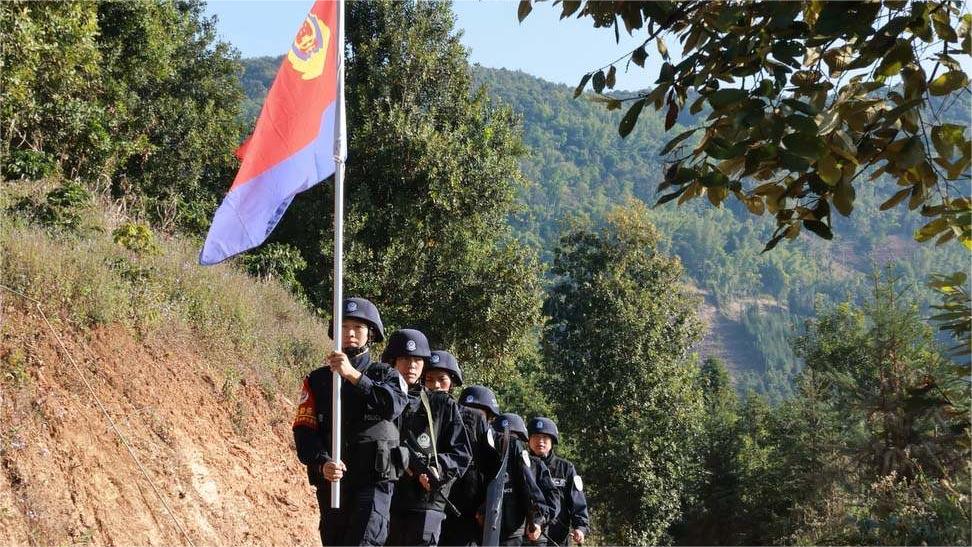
420	527
460	532
362	518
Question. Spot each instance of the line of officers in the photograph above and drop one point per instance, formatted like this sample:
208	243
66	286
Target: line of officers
419	467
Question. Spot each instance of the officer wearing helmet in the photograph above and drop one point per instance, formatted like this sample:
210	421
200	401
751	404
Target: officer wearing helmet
443	372
529	496
372	396
478	407
572	520
431	429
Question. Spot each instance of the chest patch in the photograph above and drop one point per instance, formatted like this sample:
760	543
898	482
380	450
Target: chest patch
560	483
424	440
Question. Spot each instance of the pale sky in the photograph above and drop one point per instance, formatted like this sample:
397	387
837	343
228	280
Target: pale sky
543	45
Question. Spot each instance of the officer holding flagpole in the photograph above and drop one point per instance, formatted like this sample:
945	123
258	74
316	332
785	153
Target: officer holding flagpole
373	396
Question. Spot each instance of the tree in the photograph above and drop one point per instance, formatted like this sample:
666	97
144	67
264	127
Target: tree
617	344
891	460
807	99
712	517
138	98
432	176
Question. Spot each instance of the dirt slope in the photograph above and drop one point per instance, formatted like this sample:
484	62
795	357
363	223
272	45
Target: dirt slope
218	450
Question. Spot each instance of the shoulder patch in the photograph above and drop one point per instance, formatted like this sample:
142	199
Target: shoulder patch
526	458
578	483
489	437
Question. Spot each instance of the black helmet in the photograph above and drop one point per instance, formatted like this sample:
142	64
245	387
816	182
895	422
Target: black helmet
513	423
445	361
479	397
361	309
545	426
406	343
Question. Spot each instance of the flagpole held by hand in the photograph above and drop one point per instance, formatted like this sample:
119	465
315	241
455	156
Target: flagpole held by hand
340	153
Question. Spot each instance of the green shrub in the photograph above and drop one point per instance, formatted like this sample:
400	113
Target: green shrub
136	237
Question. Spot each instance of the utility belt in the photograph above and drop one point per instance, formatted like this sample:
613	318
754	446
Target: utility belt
368	462
374	456
376	461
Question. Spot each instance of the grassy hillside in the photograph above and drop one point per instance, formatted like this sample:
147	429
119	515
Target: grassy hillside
195	366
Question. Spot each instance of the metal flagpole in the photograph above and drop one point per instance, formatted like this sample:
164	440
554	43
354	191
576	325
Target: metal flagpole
340	153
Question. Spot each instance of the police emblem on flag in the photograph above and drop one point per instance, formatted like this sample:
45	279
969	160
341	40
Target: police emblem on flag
308	53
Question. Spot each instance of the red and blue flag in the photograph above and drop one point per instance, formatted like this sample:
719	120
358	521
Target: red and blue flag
293	145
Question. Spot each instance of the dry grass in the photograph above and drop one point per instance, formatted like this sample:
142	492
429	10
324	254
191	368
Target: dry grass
86	280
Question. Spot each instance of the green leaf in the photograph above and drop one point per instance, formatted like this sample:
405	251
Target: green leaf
773	242
583	83
828	169
802	124
911	154
524	9
714	178
844	198
819	228
931	229
800	106
948	82
674	142
947	138
672	116
598	82
569	7
639	55
631	118
662	48
806	146
725	97
896	58
669	197
793	162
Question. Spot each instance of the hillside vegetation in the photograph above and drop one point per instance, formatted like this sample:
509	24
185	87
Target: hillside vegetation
193	365
577	168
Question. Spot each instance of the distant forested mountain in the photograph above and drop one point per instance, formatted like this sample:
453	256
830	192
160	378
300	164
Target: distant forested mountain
578	167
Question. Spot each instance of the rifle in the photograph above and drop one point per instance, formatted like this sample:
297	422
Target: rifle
494	498
420	465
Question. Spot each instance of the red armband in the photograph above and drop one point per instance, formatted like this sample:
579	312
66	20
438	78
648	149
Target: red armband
306	408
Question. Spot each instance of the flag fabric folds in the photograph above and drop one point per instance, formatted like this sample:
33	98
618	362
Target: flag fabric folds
293	145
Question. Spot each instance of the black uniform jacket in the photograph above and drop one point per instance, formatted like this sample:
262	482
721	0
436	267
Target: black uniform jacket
451	447
573	503
368	409
527	495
